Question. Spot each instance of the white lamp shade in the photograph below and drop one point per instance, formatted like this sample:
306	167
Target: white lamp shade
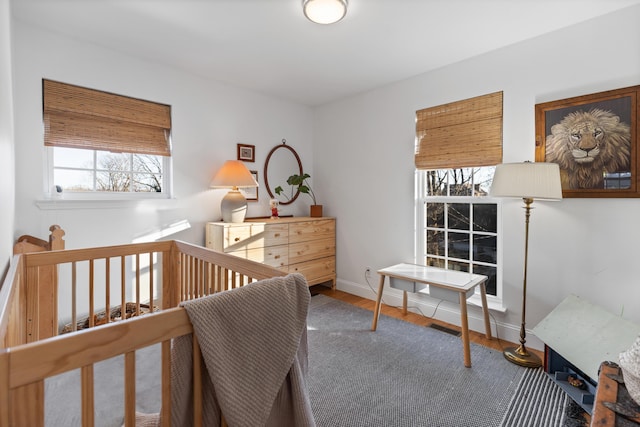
233	174
324	11
527	180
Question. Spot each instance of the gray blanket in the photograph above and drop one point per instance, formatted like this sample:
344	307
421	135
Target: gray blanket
254	345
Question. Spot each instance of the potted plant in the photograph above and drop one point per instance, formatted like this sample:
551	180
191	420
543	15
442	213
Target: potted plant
300	183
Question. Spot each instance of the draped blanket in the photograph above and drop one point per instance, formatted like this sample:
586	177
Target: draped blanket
254	346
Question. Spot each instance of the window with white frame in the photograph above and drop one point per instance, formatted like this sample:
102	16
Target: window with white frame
99	143
458	223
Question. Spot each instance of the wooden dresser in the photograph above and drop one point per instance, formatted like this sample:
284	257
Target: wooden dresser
296	245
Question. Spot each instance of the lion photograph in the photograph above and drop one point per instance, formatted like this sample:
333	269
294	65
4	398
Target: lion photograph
588	145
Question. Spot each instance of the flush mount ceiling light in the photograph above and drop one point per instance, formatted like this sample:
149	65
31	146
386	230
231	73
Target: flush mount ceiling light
324	11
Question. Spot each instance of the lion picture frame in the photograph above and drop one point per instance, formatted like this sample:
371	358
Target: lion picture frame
594	139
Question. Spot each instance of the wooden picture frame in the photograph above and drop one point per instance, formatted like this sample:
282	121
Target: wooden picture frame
247	153
594	139
251	194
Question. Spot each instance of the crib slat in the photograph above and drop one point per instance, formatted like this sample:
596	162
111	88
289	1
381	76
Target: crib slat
107	290
130	389
74	297
166	384
197	383
87	396
92	308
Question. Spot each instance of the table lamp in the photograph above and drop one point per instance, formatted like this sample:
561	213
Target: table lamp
233	174
529	181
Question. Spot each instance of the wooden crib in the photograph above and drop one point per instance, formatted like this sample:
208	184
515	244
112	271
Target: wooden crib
97	279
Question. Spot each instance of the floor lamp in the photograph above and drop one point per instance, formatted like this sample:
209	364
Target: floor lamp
529	181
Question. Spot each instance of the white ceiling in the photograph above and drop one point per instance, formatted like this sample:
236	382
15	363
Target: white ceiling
270	47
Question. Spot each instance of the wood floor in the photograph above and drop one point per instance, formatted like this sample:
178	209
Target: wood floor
414	318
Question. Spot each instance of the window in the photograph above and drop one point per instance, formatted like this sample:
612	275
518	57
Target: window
100	143
78	170
458	223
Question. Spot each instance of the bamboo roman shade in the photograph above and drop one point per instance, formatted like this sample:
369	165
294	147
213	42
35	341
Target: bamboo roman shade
460	134
77	117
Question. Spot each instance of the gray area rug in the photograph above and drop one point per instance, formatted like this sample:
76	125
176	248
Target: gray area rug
400	375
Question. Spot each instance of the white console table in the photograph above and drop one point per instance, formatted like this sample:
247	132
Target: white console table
443	284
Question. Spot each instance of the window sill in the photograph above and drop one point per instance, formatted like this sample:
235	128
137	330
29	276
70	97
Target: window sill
62	204
491	305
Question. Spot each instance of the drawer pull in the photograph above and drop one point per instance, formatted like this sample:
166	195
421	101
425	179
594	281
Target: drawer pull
277	256
237	239
277	235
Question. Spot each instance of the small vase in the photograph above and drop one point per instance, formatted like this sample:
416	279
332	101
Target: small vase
316	211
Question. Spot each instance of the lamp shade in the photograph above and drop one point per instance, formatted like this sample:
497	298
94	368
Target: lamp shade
233	174
527	180
324	11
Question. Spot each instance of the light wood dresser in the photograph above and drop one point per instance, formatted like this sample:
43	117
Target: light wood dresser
296	245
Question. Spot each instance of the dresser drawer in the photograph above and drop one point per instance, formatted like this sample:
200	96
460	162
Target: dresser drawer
316	271
305	251
255	236
274	256
312	230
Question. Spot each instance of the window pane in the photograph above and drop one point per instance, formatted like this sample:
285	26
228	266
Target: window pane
485	218
113	181
485	249
459	245
72	158
435	262
458	216
147	163
436	182
112	161
460	182
459	266
147	183
435	242
482	179
490	272
435	215
73	180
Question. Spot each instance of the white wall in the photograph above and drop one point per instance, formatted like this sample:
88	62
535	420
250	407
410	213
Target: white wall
363	153
7	178
208	120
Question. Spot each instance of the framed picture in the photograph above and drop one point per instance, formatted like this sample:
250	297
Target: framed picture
251	194
246	153
594	140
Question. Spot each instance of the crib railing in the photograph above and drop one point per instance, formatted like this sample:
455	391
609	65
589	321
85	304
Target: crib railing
159	274
31	352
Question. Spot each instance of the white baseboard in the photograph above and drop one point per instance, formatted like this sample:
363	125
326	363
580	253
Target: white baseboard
446	311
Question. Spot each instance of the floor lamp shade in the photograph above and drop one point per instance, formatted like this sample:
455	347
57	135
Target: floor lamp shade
233	174
529	181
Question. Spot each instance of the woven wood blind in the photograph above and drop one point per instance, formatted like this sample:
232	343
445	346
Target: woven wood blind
77	117
460	134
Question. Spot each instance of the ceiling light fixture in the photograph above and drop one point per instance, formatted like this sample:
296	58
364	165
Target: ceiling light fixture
324	11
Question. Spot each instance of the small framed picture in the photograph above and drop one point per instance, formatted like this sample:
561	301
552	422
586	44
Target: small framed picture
251	194
246	153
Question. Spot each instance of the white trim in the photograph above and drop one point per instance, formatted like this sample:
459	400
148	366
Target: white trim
62	204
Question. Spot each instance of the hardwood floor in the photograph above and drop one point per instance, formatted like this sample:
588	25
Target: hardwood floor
417	319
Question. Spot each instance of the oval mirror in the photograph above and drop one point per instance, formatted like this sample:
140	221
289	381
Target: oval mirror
281	163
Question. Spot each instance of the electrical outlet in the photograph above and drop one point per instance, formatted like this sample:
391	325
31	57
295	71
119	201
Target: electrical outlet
367	272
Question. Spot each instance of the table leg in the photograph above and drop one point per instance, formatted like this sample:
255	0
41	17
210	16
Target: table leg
404	302
465	330
376	312
485	310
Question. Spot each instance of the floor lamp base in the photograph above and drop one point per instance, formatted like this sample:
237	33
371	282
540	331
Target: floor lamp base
520	356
